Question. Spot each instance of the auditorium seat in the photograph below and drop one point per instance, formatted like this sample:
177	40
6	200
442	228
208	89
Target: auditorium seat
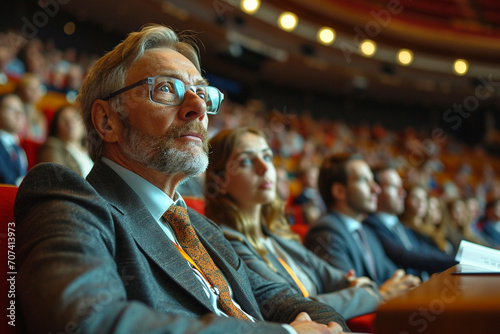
31	148
196	203
299	226
362	324
7	252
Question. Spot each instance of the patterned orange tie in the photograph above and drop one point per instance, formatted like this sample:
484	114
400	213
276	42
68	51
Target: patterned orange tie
179	220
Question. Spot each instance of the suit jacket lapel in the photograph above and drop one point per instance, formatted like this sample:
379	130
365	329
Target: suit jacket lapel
353	244
241	290
145	230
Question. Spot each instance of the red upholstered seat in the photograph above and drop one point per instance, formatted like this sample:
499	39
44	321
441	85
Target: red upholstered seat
363	323
299	226
31	148
7	253
195	203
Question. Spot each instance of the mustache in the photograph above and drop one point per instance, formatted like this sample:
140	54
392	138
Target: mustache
177	131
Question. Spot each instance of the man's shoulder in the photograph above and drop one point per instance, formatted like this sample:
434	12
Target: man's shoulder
328	226
328	221
50	176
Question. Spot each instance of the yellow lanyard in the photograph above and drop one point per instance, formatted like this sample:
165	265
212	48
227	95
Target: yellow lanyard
301	286
190	260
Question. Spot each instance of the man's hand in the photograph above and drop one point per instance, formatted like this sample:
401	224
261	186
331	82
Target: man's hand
357	281
398	284
304	325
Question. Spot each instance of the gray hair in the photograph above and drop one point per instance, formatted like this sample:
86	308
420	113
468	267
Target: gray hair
110	71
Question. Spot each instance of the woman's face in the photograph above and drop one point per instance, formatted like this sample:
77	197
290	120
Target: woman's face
250	177
417	202
434	211
458	212
70	125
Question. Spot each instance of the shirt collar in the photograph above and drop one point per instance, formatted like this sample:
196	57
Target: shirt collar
156	201
387	219
8	139
350	223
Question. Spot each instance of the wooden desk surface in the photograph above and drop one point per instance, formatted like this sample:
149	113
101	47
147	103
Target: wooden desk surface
444	304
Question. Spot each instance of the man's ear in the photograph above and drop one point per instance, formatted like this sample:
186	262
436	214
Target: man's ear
339	191
106	121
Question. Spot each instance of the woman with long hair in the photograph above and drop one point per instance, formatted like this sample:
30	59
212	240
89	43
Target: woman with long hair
240	195
66	142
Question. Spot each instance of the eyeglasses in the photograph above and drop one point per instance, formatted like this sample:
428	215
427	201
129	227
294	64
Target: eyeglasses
172	91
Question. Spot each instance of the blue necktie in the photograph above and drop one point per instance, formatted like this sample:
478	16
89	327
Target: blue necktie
367	253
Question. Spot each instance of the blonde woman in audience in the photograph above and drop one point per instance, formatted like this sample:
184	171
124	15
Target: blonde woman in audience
30	90
437	223
240	192
65	144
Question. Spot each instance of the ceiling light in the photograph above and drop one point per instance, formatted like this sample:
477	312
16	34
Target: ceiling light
250	6
405	57
368	47
69	28
288	21
326	35
460	66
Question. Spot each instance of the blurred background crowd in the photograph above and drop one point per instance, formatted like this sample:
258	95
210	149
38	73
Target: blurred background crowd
453	186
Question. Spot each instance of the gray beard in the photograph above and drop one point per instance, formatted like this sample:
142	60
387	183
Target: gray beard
157	153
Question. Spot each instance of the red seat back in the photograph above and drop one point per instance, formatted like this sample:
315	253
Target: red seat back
8	256
196	203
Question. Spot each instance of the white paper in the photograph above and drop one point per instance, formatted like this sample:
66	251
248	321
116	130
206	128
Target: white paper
476	258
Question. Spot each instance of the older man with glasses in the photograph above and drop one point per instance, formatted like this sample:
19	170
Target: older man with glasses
119	252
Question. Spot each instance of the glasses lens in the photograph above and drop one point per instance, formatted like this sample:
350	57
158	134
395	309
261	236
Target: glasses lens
213	100
171	91
168	91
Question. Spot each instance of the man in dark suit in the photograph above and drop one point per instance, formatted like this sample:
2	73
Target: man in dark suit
349	191
490	224
113	253
407	248
13	162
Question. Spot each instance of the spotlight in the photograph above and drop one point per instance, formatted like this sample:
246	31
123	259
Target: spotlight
460	66
288	21
250	6
326	35
405	57
367	48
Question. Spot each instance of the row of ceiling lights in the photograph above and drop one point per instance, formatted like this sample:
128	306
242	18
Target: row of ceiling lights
288	21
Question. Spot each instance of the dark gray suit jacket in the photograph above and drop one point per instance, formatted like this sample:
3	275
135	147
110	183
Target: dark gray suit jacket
331	241
423	257
92	259
331	284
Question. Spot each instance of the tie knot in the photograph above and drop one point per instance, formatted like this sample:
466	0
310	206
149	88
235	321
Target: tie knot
177	211
178	219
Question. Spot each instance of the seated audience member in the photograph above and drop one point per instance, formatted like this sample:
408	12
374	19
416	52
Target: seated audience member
408	249
29	89
490	224
415	208
476	212
309	199
459	227
13	161
339	237
437	221
65	144
241	196
119	252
